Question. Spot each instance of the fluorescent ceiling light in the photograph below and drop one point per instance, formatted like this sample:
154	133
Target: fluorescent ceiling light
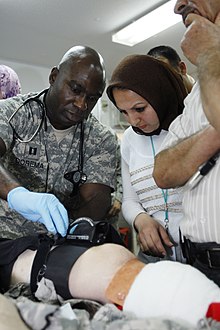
147	26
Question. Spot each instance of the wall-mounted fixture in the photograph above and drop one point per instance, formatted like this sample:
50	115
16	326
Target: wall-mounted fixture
147	26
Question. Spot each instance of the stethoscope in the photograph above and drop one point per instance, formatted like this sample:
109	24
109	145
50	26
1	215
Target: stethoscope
43	115
76	177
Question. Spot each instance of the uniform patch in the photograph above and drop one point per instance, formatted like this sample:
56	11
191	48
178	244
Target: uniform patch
32	151
29	163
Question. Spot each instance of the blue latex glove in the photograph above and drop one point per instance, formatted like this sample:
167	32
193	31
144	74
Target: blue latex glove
41	207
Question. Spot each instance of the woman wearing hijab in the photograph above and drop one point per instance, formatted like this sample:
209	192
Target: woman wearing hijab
9	82
150	96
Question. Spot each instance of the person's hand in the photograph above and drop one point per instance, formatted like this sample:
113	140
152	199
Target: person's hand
115	209
200	37
152	236
41	207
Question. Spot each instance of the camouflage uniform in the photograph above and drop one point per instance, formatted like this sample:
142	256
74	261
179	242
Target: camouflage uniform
117	194
40	164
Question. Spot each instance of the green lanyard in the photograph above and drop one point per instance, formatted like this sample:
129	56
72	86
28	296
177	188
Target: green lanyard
164	192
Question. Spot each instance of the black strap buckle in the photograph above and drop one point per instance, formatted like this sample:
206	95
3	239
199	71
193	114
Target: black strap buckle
39	264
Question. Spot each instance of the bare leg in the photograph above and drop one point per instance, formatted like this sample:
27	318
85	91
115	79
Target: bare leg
93	271
22	267
89	276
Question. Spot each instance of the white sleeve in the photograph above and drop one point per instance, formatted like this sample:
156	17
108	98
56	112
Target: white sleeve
131	205
189	122
176	132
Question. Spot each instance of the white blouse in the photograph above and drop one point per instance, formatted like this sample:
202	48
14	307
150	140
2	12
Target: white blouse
140	192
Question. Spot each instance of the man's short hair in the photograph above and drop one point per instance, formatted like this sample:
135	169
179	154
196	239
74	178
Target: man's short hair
167	52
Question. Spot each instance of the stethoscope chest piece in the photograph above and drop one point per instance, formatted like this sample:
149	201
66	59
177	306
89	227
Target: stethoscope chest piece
76	177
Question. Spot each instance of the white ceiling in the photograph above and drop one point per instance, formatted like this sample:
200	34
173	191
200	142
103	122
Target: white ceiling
38	32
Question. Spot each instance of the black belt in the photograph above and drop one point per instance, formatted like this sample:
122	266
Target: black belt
210	258
206	253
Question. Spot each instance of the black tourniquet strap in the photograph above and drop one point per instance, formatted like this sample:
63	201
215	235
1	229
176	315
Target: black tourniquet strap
40	260
59	264
83	233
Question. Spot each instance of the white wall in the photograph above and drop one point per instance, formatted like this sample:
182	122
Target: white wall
32	78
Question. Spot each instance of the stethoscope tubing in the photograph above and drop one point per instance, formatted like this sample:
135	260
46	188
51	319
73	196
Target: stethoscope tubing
30	99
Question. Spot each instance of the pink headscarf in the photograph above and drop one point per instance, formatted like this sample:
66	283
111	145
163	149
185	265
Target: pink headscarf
9	82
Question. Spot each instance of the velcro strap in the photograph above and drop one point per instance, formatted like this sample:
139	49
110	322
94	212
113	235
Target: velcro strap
39	263
60	261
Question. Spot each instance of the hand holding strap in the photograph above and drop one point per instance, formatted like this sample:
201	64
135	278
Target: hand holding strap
41	207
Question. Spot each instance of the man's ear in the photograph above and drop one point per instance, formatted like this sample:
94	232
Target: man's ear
53	75
182	67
